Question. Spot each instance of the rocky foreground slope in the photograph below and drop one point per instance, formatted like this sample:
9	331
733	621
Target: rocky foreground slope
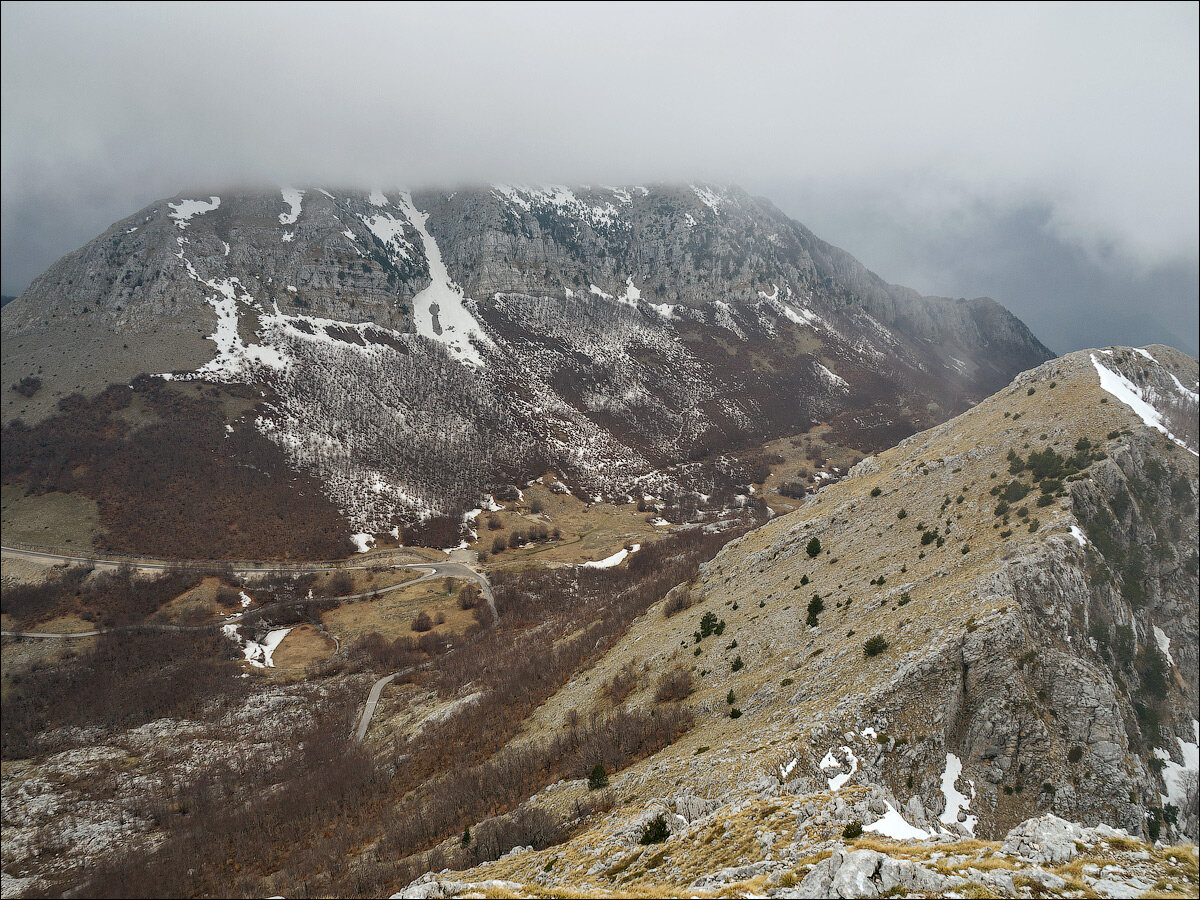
413	351
978	638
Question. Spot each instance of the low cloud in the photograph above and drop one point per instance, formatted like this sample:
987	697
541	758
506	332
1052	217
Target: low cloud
947	114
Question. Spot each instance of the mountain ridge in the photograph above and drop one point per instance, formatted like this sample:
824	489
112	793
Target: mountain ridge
610	333
1036	661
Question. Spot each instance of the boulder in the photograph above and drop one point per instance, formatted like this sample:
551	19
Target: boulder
1045	839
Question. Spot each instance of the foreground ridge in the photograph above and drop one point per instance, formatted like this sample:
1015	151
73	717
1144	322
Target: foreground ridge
969	667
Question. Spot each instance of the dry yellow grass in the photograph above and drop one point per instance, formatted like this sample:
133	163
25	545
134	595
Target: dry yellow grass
196	605
801	452
392	614
590	531
303	646
756	590
54	519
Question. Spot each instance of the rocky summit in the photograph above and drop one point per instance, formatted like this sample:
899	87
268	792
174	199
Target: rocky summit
413	352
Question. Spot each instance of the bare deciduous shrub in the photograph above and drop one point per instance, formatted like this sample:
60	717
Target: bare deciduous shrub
621	684
27	386
674	686
457	773
180	487
679	599
468	596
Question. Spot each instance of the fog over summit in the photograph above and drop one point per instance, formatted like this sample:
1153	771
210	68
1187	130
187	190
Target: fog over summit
1041	155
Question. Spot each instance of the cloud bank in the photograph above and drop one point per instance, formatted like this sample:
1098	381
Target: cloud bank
1064	135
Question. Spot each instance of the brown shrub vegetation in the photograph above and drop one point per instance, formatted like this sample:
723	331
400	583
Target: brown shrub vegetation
128	679
622	683
297	836
679	600
179	487
674	686
109	599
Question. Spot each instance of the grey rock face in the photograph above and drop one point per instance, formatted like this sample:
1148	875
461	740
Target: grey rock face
693	808
416	350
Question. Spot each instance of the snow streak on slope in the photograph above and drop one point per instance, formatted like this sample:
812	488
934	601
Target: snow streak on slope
293	198
234	357
1131	395
1177	776
714	200
440	310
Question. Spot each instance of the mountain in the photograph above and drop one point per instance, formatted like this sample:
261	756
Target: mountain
980	647
403	355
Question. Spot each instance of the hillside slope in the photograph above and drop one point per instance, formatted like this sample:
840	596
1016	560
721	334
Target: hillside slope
413	351
1030	569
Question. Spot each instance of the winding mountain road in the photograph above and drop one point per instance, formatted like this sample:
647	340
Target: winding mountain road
454	570
448	569
433	569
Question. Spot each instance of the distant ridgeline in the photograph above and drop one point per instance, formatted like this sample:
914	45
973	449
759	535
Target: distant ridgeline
407	354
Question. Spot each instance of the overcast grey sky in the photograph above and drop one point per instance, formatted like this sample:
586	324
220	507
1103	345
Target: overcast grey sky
1043	155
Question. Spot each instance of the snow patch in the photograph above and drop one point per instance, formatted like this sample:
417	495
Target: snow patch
183	211
233	355
440	310
257	654
1176	776
631	294
390	232
837	782
1077	533
615	560
362	541
1191	395
564	202
260	655
893	825
709	197
293	199
830	378
1164	643
956	802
